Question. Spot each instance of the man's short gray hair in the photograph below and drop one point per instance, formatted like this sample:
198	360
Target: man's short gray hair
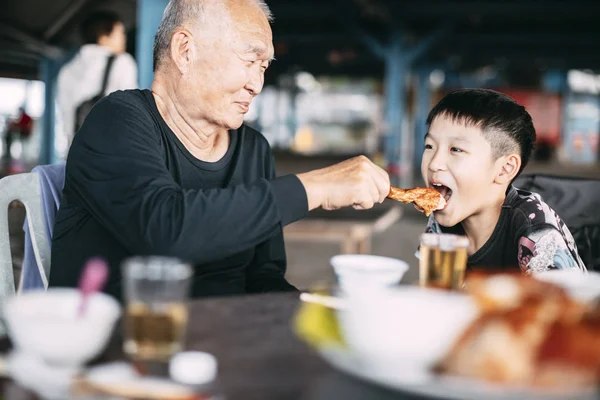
178	12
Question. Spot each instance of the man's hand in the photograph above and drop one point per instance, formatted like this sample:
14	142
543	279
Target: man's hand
356	182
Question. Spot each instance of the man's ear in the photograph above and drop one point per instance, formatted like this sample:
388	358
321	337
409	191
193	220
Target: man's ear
509	167
182	50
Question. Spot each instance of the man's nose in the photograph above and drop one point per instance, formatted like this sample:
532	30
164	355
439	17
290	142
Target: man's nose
256	81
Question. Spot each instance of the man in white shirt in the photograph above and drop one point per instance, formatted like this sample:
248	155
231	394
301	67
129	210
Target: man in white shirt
81	78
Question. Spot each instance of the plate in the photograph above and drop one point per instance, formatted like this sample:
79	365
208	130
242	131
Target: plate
121	380
440	387
584	287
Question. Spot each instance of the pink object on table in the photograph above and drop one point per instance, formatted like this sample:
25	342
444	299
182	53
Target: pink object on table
93	279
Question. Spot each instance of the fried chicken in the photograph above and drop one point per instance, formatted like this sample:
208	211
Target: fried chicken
427	199
529	333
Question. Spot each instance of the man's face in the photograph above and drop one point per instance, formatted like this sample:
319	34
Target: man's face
116	40
229	72
458	161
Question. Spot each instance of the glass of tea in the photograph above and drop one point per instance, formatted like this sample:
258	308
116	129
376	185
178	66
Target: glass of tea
156	293
443	260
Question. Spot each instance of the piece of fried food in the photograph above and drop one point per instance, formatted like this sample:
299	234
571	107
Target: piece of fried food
529	333
427	199
570	355
507	290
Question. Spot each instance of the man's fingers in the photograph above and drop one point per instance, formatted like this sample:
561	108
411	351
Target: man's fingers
382	180
383	188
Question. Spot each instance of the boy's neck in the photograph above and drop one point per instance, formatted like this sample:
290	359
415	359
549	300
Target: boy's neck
480	227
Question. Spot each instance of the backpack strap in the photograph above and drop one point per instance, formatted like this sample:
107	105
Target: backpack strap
109	63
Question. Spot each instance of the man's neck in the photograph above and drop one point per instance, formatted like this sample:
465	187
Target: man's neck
480	227
203	140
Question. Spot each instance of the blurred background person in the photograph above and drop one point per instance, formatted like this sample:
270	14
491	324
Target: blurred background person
80	81
19	128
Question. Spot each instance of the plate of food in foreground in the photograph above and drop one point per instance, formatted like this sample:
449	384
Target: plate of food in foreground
510	337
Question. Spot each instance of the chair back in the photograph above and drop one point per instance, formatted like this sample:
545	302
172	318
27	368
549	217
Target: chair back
577	202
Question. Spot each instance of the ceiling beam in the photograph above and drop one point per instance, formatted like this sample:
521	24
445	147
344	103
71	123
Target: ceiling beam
64	18
497	9
30	41
528	38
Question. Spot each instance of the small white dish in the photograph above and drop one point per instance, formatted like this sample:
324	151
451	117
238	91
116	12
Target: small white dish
45	324
357	272
121	380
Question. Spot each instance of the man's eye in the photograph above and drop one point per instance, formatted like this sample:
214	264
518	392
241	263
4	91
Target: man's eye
428	147
455	150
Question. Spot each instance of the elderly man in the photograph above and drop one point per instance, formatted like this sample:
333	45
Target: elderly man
174	171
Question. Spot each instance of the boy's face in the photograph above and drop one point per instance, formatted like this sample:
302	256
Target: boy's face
458	161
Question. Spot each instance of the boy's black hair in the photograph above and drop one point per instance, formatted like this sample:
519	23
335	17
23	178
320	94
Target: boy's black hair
505	124
98	24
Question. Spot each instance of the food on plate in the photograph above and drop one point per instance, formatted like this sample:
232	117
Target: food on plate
529	332
426	199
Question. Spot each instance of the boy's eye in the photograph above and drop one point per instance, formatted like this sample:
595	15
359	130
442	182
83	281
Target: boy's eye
455	150
428	147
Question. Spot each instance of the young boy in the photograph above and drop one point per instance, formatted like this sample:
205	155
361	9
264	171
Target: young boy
478	142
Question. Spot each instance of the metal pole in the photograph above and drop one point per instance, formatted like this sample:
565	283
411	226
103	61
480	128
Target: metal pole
149	14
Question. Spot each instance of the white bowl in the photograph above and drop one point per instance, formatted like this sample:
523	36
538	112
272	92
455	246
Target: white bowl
360	271
579	285
45	324
405	329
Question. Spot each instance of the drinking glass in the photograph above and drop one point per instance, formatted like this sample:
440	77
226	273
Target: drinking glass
443	260
156	316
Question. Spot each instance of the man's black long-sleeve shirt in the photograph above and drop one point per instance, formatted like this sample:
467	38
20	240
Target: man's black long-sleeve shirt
132	188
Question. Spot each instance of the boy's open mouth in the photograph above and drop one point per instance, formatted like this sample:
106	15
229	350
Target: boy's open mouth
445	191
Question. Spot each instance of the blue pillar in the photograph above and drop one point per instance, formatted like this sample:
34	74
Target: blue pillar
395	143
149	14
49	69
423	105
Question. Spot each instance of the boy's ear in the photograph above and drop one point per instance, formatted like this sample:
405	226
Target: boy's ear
509	168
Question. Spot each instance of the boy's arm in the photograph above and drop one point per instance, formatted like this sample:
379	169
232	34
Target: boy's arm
542	249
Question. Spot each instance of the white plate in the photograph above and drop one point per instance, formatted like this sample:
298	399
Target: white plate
441	387
580	286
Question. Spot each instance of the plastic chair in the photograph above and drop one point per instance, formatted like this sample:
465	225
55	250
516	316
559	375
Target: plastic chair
26	189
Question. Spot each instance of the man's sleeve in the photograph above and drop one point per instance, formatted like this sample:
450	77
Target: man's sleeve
117	170
266	273
544	248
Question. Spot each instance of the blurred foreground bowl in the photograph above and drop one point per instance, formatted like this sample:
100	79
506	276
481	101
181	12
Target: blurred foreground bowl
45	324
406	329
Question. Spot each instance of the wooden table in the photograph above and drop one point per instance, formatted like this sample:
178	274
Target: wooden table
258	354
353	230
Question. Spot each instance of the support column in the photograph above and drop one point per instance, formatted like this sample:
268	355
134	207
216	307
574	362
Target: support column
149	14
423	105
49	72
395	103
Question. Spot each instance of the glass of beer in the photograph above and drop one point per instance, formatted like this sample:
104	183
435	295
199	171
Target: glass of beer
443	260
156	293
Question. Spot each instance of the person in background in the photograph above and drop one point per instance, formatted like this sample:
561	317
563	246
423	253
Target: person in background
20	128
80	80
